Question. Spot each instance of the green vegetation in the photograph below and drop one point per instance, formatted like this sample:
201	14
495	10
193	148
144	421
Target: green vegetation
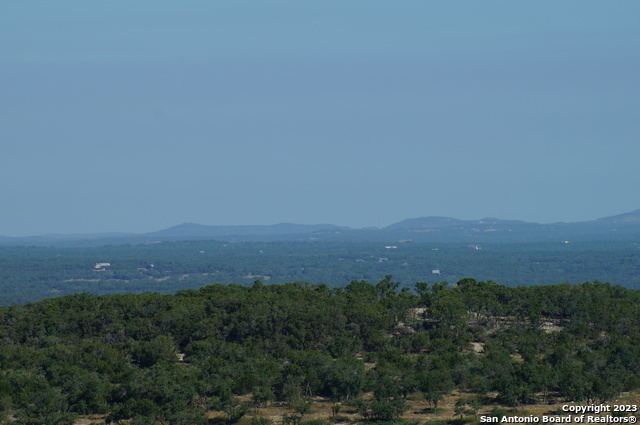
30	274
173	359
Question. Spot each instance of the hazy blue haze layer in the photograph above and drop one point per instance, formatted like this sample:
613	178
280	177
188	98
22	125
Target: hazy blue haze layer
133	117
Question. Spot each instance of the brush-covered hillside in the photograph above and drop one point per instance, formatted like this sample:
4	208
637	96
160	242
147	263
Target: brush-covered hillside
374	352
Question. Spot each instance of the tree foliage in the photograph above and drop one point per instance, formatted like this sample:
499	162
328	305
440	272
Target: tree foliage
169	358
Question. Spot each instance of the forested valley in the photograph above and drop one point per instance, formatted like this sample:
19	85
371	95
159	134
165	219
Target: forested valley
372	352
30	273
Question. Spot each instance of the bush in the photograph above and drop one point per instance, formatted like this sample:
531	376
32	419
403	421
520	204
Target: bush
315	422
261	420
143	420
387	410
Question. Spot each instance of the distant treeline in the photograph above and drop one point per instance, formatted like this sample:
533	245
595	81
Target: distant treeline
33	273
172	358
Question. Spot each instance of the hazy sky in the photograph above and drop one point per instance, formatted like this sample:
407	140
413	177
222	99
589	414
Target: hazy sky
136	116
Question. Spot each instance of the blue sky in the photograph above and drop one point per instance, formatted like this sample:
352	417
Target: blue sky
136	116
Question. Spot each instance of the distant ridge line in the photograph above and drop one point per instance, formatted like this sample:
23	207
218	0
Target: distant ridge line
624	226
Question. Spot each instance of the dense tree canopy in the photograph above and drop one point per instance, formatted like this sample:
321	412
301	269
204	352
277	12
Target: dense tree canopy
172	357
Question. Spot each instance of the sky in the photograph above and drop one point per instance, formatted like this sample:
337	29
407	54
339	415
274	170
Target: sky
137	116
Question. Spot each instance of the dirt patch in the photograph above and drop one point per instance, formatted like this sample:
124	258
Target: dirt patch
549	327
419	409
478	347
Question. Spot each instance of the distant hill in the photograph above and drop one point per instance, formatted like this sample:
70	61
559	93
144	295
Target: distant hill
443	222
433	222
621	227
200	231
443	229
630	218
